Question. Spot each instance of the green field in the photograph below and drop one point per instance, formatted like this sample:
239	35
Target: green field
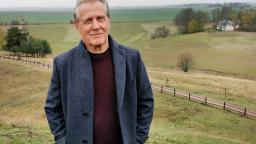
117	15
176	121
231	53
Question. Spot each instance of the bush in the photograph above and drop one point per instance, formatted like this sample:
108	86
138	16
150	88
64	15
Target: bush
185	62
15	22
193	27
248	28
160	32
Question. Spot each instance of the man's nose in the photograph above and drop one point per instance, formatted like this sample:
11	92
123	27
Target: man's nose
95	25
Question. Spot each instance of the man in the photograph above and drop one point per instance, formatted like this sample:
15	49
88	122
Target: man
99	92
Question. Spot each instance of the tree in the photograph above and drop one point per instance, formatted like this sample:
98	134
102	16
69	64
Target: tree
201	18
247	17
193	27
36	47
183	18
46	47
14	38
215	13
188	16
254	20
15	22
226	12
2	35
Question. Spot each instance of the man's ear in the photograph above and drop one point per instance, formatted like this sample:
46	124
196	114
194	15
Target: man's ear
76	24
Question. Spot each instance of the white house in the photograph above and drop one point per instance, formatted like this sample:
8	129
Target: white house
227	25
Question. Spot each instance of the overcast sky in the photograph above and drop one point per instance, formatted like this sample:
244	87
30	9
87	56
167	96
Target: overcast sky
112	3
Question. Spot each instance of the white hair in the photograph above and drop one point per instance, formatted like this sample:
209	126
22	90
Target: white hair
79	2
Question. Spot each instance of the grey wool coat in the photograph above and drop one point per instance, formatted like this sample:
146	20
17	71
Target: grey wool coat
69	104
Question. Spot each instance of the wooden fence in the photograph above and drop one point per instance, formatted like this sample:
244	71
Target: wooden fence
172	91
31	62
205	100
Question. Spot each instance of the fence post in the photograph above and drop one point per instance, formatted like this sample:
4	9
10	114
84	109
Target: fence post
225	92
48	68
205	102
189	96
244	111
224	107
174	92
161	89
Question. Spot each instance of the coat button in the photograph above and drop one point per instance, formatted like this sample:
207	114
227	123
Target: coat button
84	141
85	114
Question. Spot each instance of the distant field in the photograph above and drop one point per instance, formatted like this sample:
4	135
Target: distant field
231	53
22	120
117	15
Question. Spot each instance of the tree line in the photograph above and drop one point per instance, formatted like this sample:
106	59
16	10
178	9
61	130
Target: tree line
191	21
20	42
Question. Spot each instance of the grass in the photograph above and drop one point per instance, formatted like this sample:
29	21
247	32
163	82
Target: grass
117	15
227	52
239	91
20	134
23	92
178	121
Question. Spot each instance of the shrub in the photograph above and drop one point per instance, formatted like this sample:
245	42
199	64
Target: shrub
248	28
185	62
160	32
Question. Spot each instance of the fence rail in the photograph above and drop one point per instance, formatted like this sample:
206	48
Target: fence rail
205	100
26	61
172	91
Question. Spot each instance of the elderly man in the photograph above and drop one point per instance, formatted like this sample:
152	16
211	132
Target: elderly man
99	92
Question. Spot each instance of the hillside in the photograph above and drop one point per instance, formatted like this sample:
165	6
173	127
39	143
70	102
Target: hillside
231	53
22	120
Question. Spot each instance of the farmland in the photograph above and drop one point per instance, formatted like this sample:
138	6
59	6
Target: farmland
65	15
175	120
231	53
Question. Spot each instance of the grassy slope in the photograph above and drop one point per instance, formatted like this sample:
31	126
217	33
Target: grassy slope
239	91
23	91
227	52
176	121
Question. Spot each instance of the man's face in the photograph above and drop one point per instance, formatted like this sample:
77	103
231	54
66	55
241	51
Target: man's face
94	25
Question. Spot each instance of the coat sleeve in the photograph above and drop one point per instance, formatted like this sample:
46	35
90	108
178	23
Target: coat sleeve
53	108
145	103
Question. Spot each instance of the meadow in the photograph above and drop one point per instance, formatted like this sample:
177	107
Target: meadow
230	53
176	121
51	16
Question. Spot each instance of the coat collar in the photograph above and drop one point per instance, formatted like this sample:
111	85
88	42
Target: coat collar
82	65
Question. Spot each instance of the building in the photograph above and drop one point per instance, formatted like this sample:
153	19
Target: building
227	25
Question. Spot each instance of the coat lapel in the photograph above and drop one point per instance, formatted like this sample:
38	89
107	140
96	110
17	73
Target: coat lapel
82	78
118	56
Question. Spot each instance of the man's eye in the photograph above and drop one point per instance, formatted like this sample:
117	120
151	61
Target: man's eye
101	19
87	21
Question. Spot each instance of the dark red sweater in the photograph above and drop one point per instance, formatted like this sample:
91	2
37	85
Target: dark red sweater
106	129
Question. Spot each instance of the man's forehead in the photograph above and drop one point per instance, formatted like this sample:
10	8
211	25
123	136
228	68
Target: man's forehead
91	8
95	5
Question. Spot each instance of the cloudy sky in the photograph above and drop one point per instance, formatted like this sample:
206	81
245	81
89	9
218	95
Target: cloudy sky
112	3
